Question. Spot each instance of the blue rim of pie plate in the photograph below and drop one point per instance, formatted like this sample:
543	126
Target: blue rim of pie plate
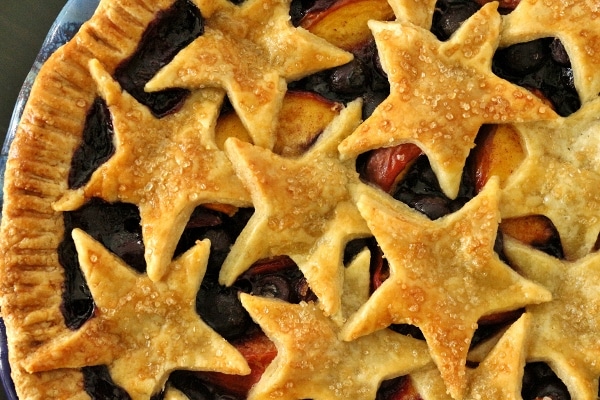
68	22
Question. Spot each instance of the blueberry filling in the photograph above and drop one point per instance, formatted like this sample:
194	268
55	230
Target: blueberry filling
221	309
99	385
362	77
540	382
277	277
117	227
449	15
96	147
220	228
541	65
195	388
172	30
420	190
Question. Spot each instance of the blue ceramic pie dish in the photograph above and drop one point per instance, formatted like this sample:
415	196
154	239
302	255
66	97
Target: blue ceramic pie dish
72	16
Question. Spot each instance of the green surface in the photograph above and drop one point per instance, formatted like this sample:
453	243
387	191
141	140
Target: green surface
23	27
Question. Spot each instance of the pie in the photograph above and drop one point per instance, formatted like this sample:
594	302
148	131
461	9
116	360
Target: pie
331	199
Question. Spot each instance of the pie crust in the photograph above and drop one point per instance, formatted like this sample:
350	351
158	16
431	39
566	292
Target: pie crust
445	275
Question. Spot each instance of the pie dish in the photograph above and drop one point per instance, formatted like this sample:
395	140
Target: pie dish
261	199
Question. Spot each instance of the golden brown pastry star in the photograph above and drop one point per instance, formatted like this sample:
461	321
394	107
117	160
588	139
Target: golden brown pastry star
165	166
312	362
441	93
574	22
303	208
560	177
444	276
498	376
251	51
565	332
418	12
141	329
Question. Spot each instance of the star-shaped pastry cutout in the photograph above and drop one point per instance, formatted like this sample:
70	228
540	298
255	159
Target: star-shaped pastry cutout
312	362
441	93
303	208
566	331
141	329
444	276
498	376
574	22
560	177
251	51
417	12
165	166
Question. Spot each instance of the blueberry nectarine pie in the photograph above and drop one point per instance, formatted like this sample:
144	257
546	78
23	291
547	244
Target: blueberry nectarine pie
296	199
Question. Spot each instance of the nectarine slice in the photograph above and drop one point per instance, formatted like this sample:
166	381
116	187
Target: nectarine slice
499	152
386	166
344	24
303	116
533	230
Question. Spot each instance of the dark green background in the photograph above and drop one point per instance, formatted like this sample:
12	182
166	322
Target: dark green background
23	27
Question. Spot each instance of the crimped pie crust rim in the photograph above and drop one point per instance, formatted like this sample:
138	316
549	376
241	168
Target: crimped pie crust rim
37	169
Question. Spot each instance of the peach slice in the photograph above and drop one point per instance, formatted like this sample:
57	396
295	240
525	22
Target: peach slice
303	116
230	125
344	24
259	351
533	230
499	152
385	167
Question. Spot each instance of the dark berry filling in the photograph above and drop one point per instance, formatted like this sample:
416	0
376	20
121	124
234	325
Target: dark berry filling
220	308
277	277
117	227
540	65
397	389
196	388
220	228
96	147
171	31
99	385
420	190
540	382
449	15
362	77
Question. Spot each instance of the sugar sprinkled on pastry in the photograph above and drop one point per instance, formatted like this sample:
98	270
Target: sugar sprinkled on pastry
165	166
143	330
568	21
564	332
441	93
251	51
498	376
559	178
303	208
444	276
312	362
